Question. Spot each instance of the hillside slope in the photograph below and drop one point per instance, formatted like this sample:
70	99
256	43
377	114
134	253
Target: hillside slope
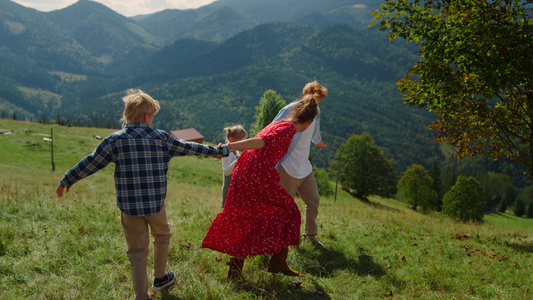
223	84
374	251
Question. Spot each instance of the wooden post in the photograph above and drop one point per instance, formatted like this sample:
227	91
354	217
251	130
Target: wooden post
52	148
337	181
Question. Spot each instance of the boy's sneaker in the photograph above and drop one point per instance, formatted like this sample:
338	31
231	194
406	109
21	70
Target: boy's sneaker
164	282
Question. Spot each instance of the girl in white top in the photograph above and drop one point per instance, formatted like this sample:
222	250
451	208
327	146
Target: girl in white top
233	134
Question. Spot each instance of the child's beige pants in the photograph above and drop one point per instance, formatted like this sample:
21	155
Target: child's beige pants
138	239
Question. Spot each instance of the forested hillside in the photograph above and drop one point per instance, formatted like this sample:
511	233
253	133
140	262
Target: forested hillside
210	66
223	85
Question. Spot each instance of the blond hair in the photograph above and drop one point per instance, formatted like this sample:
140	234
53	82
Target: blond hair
314	88
136	104
236	132
305	110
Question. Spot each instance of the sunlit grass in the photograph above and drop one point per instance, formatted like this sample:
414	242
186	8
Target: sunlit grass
74	247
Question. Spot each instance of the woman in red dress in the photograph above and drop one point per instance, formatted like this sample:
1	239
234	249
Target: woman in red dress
259	216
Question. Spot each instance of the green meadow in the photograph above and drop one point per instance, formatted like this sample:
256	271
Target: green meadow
73	247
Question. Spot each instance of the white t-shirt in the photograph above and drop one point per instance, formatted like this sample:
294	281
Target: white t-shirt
297	163
228	163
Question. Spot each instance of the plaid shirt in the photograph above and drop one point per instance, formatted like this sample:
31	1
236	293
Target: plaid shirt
141	156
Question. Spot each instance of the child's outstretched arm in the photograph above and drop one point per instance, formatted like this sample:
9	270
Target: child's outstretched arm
60	190
253	143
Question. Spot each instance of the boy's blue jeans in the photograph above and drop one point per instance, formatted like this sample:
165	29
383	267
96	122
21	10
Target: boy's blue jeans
138	239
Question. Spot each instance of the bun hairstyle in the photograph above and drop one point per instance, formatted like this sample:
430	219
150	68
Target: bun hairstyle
136	104
316	89
305	110
236	132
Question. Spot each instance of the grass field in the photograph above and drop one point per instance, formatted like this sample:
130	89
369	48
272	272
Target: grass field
74	248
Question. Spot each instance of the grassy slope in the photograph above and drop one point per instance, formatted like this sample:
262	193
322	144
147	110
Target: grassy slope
73	248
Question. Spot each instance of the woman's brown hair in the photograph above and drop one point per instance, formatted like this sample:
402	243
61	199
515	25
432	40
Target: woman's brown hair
305	110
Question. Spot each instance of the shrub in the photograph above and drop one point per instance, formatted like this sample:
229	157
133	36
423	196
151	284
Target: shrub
464	200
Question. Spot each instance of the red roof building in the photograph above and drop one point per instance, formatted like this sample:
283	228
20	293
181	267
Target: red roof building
189	134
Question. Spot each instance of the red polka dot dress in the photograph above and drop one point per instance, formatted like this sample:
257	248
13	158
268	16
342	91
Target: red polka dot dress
259	216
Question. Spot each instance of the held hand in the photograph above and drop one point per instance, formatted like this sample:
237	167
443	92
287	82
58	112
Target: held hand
60	190
220	156
231	148
321	145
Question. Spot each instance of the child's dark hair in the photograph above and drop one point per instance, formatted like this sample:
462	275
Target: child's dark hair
236	132
306	109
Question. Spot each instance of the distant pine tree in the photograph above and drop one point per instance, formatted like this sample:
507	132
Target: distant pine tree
435	173
529	211
502	207
519	208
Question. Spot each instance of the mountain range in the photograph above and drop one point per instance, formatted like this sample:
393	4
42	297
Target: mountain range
210	66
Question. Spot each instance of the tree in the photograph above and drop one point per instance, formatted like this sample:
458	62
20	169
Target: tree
502	207
43	120
475	72
499	187
15	116
449	177
519	208
364	169
464	201
417	186
59	120
526	197
269	106
529	211
322	181
435	173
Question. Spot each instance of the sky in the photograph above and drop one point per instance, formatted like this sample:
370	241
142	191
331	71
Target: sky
126	8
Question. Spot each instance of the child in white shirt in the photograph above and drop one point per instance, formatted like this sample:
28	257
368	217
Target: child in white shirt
233	134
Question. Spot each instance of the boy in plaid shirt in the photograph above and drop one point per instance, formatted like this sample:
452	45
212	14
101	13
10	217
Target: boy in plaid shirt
141	156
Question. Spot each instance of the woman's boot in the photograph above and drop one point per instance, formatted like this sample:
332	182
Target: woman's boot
278	264
235	268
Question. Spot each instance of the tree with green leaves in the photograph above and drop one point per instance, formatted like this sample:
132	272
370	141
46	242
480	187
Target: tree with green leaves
417	186
463	201
499	188
364	169
323	181
269	106
475	72
526	196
